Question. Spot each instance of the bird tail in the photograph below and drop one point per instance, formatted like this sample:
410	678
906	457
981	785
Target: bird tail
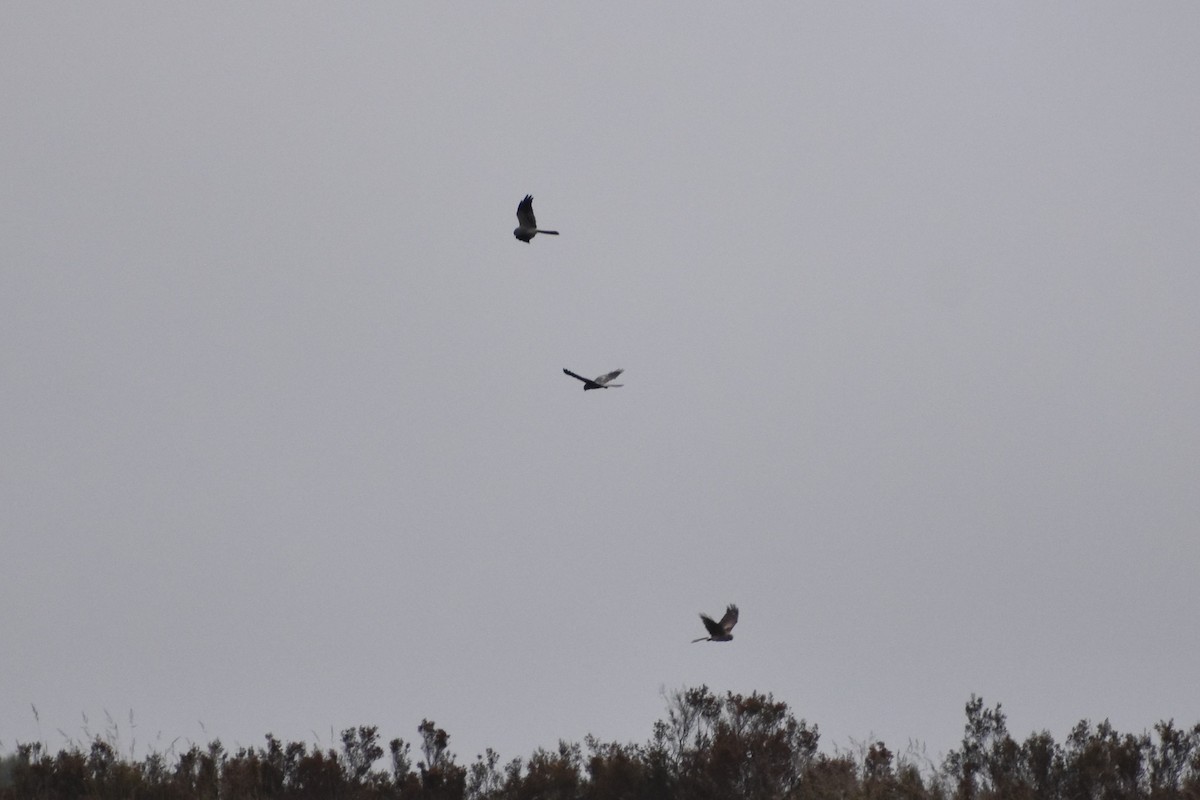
701	639
552	233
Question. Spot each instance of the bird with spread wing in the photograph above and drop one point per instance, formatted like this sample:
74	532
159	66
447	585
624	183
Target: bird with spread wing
597	383
526	225
719	631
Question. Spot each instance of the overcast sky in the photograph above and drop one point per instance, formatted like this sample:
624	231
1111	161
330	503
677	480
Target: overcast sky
907	296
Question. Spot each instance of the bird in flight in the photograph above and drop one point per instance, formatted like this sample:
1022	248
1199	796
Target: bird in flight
719	631
597	383
526	225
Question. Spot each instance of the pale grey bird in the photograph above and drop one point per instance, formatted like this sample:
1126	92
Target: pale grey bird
526	225
719	631
598	383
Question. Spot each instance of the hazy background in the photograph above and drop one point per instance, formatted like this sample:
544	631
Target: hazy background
907	297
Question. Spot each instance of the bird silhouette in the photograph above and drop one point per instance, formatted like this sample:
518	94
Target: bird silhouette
597	383
526	224
719	631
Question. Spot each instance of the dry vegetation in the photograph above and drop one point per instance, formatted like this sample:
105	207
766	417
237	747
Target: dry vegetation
708	747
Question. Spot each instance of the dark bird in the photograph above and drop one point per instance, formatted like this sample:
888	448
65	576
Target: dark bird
597	383
719	631
526	225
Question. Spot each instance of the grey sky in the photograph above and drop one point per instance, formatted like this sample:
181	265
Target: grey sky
906	295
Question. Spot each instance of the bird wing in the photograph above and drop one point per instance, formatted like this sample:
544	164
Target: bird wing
603	379
730	618
714	629
588	381
525	213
